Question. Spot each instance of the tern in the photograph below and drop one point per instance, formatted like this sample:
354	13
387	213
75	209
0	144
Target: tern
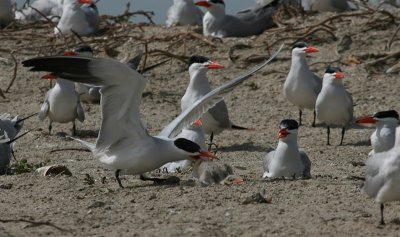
123	143
216	119
52	9
328	5
382	177
384	136
287	160
217	23
9	128
184	12
61	103
334	104
302	86
76	19
6	13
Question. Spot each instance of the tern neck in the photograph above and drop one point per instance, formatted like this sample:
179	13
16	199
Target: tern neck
288	147
65	84
198	82
299	63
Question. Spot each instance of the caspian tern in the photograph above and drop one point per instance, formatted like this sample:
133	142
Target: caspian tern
123	143
184	12
6	13
61	103
52	9
217	23
384	136
302	86
382	177
287	160
216	119
334	104
76	19
328	5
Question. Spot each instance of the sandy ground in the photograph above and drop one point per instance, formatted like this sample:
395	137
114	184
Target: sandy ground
329	204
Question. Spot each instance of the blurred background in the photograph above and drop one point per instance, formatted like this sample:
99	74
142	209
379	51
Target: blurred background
159	7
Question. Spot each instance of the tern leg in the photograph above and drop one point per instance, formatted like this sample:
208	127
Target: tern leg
50	127
315	115
117	177
328	132
13	154
382	222
300	114
73	128
343	131
211	143
155	180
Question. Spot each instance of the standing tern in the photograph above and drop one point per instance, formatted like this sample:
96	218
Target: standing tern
334	104
123	143
328	5
217	23
384	136
76	19
287	160
184	12
302	86
382	177
6	13
61	103
216	119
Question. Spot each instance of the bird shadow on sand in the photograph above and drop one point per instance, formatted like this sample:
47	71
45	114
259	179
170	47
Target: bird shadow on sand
247	146
360	143
86	133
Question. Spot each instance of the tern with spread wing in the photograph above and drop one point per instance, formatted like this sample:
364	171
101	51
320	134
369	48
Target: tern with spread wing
123	143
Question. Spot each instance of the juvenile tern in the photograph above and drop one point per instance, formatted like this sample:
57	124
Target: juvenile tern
384	136
287	160
334	105
123	143
302	86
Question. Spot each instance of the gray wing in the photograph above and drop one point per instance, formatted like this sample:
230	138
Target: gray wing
121	92
374	180
44	109
350	108
307	164
220	113
267	160
317	83
79	110
91	15
188	116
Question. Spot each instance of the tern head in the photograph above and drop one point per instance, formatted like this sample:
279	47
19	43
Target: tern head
192	150
333	75
288	129
212	5
301	48
200	63
388	116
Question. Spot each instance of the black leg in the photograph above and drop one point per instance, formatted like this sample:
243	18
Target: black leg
50	127
155	180
117	177
73	128
343	131
211	139
315	115
13	154
382	222
300	114
328	132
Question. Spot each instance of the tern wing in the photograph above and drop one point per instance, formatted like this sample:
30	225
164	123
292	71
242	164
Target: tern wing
306	162
44	109
121	93
188	116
